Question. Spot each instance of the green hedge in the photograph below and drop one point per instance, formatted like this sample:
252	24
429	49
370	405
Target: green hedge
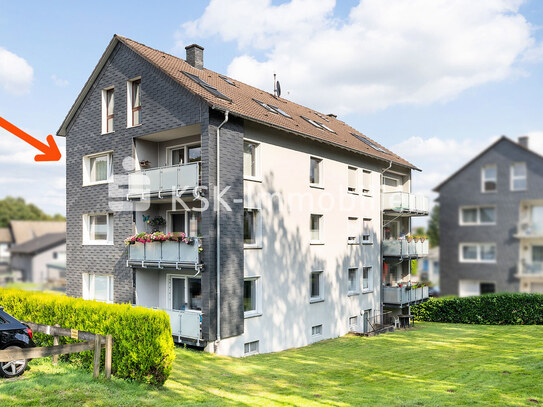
489	309
143	347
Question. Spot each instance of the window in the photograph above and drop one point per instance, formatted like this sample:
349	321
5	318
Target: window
477	253
369	143
315	226
366	182
366	231
251	348
352	230
97	168
316	330
353	281
481	215
224	78
367	279
490	178
537	254
518	177
179	155
98	287
185	293
250	159
108	110
353	323
251	228
390	182
352	184
133	103
316	289
250	296
273	109
487	288
315	170
98	229
206	86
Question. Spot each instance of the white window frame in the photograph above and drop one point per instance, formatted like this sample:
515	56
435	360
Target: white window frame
351	169
258	228
484	179
369	289
320	240
353	323
251	352
514	177
478	259
87	168
370	234
129	106
88	281
316	330
104	110
169	278
87	241
366	182
353	230
185	148
258	297
188	216
258	163
319	184
320	297
478	221
356	290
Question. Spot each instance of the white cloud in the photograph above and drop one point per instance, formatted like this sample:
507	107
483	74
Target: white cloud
385	53
59	82
16	74
16	151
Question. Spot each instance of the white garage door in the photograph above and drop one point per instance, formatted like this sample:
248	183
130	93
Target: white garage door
468	288
536	288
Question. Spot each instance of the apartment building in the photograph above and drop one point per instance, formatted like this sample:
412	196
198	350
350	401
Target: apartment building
491	222
268	214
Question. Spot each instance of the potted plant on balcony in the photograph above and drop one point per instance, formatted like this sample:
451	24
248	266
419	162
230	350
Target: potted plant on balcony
145	164
156	223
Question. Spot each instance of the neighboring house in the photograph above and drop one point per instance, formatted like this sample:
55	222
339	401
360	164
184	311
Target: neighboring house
23	231
491	222
286	267
5	243
429	267
41	260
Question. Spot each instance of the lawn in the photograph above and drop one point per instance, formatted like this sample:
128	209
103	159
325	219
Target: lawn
431	365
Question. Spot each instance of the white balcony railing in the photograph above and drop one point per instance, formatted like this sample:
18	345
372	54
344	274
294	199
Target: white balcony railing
186	324
530	269
403	248
163	181
402	295
403	202
170	254
527	229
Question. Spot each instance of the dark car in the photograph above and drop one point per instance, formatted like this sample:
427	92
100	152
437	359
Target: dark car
13	335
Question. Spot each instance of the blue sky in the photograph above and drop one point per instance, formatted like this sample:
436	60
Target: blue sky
434	80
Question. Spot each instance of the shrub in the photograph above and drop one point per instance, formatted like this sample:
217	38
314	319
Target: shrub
143	348
489	309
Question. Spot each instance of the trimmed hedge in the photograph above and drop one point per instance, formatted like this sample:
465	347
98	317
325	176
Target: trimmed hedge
143	348
488	309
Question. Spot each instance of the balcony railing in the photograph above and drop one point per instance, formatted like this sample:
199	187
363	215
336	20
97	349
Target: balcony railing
404	296
166	254
405	203
186	324
402	248
529	229
530	269
164	181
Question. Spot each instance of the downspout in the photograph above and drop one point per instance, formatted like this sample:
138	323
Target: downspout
219	230
381	258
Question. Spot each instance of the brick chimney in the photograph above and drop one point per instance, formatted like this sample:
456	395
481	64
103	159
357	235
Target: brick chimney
195	56
523	141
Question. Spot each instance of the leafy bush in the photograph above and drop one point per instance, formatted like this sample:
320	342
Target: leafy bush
143	348
489	309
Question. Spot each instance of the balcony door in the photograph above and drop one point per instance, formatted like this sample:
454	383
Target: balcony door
184	154
178	293
185	293
537	219
182	221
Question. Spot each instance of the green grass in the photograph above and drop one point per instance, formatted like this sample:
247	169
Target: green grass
431	365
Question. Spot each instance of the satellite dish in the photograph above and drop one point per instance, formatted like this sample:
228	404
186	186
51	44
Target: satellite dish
278	89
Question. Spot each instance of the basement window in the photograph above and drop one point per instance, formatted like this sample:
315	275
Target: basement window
251	348
369	143
206	86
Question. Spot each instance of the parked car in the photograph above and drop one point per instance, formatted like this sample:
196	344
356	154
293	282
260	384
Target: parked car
13	335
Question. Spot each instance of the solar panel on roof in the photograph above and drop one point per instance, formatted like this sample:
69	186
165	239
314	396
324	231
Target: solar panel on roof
369	143
206	86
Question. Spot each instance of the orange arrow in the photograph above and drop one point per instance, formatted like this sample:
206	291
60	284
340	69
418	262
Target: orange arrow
50	150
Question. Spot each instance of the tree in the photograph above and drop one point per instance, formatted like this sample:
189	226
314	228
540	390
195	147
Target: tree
17	209
433	227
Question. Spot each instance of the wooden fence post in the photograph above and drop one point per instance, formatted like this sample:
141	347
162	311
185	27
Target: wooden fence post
97	351
109	351
55	342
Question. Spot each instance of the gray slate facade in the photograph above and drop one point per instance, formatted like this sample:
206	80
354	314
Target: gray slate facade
464	189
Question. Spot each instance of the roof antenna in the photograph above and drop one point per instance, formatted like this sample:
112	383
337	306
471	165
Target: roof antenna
276	87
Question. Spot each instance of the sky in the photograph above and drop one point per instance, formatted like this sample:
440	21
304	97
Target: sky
435	81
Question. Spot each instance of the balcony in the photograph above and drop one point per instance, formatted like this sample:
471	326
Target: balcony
530	270
405	204
402	296
528	229
166	254
161	182
402	248
186	324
